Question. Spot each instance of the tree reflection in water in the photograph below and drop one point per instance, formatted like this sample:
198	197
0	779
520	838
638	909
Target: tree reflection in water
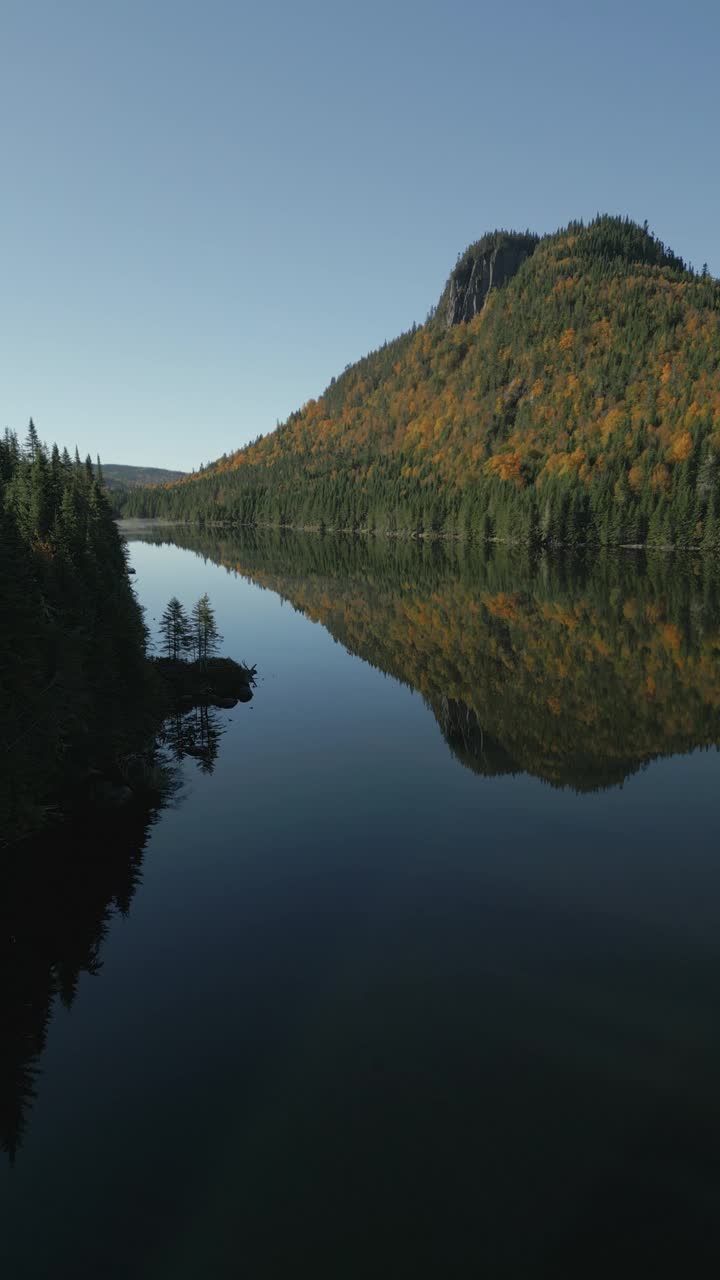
58	897
578	670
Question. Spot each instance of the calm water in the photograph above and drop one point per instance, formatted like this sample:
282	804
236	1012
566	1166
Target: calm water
423	978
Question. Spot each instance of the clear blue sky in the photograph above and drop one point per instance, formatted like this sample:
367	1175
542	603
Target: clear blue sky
209	207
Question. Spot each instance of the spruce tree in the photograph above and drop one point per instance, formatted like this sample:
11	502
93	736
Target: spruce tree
32	442
205	635
175	630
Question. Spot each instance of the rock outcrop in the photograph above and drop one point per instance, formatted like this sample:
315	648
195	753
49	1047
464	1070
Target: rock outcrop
486	265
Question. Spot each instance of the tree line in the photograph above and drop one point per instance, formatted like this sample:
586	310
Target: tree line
581	406
576	668
75	688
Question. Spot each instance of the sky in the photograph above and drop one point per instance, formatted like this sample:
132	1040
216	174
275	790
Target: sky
208	207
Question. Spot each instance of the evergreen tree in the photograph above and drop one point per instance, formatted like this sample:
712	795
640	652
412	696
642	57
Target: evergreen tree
206	638
32	442
175	630
72	640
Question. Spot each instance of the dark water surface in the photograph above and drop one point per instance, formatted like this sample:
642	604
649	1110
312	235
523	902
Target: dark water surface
423	978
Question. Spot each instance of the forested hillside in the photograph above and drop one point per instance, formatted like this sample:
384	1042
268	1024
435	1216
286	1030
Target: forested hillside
72	643
118	476
565	390
577	669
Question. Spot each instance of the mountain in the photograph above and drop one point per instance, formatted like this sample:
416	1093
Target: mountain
565	389
118	476
578	670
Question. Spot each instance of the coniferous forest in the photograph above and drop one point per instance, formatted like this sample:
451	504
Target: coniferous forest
75	686
82	702
564	391
578	669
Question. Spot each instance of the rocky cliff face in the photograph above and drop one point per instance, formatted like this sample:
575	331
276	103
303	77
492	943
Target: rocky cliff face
487	265
467	739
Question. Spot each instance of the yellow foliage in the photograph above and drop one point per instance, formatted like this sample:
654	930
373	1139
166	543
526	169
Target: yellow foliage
681	447
610	423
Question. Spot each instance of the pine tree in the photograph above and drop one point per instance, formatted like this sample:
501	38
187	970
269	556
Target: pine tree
710	527
205	635
175	630
32	442
67	523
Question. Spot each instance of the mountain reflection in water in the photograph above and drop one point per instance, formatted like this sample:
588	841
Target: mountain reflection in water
368	997
576	670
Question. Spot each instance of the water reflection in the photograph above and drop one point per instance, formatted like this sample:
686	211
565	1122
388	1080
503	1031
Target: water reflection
577	672
55	915
369	1004
59	893
194	733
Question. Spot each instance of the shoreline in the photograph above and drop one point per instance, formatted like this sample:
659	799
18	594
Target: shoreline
136	524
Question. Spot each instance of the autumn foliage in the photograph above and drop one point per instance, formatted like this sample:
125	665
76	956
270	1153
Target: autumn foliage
578	670
582	404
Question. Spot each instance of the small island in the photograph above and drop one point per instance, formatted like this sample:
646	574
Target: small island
190	668
89	719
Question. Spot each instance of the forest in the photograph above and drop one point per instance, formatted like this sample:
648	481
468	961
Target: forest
82	700
124	477
579	405
578	669
75	686
84	710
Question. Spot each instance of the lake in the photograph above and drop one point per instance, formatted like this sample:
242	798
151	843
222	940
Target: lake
419	971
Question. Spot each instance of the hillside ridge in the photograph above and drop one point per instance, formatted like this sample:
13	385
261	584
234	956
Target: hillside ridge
565	390
118	475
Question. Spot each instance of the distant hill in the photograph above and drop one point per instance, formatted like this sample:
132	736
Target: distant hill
117	476
565	390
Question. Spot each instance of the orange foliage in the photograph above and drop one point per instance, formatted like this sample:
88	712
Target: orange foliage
681	447
507	466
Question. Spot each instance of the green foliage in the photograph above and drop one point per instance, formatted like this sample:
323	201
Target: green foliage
197	634
72	643
581	405
175	630
206	639
116	476
578	669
